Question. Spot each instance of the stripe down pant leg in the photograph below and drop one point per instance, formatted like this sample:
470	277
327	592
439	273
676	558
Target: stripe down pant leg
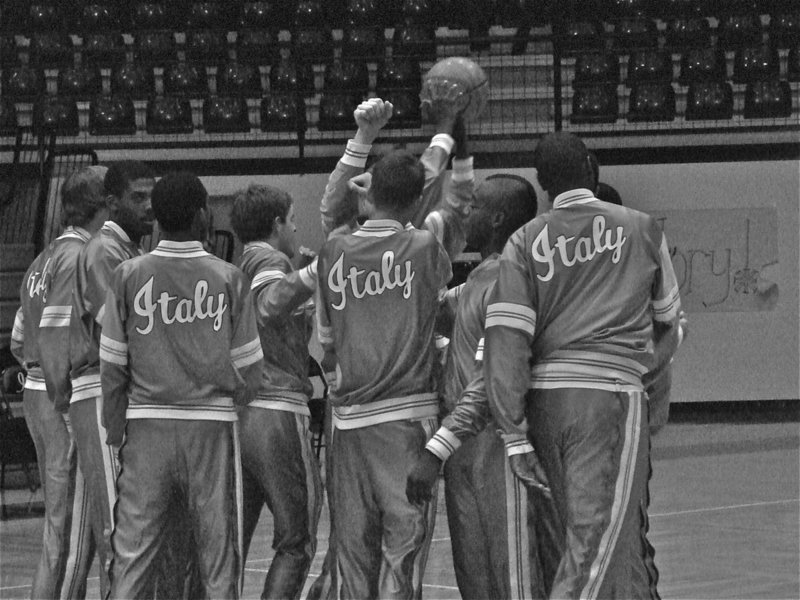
594	447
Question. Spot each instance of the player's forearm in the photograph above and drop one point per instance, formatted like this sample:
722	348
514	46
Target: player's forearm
434	159
285	295
337	206
507	376
114	380
18	337
666	338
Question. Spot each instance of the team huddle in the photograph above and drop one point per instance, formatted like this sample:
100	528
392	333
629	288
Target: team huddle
168	392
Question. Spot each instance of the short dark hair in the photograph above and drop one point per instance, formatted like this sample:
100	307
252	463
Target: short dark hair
120	175
255	210
562	162
82	195
177	198
397	181
512	195
608	194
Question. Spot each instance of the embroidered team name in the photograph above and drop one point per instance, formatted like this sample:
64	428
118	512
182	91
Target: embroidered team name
37	282
185	310
373	283
584	249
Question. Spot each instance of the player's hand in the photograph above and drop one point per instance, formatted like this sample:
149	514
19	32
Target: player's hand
441	102
358	186
306	257
683	323
527	468
371	116
419	485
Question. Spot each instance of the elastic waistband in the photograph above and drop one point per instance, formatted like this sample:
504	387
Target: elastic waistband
406	408
86	387
577	369
211	409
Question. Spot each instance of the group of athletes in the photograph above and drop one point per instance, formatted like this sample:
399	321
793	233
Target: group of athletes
167	393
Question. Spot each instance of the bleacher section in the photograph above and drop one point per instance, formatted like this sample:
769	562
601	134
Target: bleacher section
198	76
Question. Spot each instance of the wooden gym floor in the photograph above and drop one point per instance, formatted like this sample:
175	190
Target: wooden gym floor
725	514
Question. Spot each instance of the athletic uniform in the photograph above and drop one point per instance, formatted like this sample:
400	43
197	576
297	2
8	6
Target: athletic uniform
100	256
179	347
569	334
279	465
41	328
487	506
379	293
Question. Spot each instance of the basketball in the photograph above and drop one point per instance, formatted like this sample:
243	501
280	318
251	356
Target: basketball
456	80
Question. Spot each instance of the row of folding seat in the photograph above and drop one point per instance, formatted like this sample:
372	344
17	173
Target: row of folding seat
191	79
705	100
279	112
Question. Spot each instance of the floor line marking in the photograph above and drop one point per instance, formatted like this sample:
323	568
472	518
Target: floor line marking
717	508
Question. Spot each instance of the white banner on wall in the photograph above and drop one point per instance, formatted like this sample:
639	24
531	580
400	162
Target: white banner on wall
726	260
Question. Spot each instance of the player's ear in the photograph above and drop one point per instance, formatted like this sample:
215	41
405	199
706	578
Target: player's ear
200	224
498	219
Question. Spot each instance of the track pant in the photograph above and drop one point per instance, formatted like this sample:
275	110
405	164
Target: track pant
382	540
100	468
67	544
493	525
325	586
594	447
194	465
279	468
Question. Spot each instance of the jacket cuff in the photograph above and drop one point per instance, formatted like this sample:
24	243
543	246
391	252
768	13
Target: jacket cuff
355	154
443	444
444	141
516	444
462	169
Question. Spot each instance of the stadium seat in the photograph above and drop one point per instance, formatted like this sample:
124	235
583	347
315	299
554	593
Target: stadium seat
288	75
756	63
596	67
414	40
134	80
152	16
636	32
418	12
739	30
8	117
768	99
406	113
595	103
580	36
225	114
210	15
686	32
56	114
310	13
51	50
22	82
259	15
80	83
239	79
363	41
207	46
155	46
651	101
113	115
793	66
366	12
709	100
45	17
784	29
699	64
169	114
9	52
649	65
103	49
336	110
283	112
185	80
257	46
312	44
398	73
347	75
99	17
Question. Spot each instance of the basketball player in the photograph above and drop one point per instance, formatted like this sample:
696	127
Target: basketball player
441	211
486	505
40	340
586	302
179	348
379	293
279	466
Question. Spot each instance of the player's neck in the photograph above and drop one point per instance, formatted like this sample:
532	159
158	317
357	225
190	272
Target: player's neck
179	236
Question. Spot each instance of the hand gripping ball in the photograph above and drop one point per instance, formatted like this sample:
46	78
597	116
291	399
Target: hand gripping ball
457	82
